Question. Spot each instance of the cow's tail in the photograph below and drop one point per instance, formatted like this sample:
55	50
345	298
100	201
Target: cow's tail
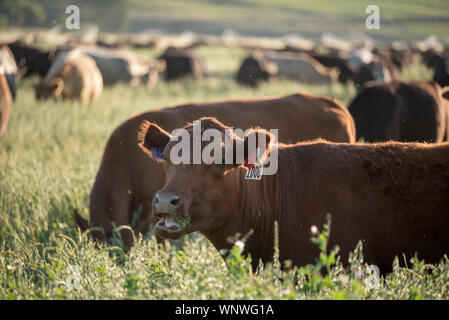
82	223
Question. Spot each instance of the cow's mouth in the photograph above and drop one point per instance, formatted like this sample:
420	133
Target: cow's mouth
171	225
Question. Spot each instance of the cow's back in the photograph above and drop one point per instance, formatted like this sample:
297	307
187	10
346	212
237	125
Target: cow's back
424	118
298	117
400	111
302	68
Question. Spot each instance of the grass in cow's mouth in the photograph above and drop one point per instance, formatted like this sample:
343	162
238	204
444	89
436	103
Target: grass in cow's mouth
185	222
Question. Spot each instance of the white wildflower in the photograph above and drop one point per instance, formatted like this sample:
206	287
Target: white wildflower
239	244
359	275
285	292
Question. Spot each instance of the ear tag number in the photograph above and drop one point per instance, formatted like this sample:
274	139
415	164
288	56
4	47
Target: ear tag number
255	170
157	154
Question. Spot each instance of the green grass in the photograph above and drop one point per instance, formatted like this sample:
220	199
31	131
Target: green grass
48	160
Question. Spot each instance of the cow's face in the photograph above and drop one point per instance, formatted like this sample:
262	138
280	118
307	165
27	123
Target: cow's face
50	90
195	197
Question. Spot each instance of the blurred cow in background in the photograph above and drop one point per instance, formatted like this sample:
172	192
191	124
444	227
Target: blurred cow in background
119	66
302	67
371	66
182	62
30	60
5	104
401	111
439	63
376	70
8	68
72	75
346	68
255	69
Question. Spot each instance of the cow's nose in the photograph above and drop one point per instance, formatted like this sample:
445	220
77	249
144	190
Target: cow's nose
166	203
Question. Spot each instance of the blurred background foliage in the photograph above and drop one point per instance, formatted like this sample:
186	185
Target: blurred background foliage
400	19
109	15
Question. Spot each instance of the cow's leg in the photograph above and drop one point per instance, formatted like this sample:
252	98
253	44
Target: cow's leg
110	208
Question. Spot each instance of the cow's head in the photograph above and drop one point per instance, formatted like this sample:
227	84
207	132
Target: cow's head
199	197
154	73
53	89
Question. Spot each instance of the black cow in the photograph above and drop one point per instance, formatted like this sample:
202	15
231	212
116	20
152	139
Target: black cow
182	63
347	69
255	69
401	111
439	63
31	58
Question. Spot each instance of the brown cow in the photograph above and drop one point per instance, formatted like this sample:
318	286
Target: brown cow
5	104
122	195
393	196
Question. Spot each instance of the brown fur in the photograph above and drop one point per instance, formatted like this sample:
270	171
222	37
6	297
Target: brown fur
392	196
120	187
5	104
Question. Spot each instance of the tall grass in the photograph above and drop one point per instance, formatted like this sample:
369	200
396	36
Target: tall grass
48	160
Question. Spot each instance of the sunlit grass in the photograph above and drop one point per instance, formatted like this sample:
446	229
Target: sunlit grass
48	160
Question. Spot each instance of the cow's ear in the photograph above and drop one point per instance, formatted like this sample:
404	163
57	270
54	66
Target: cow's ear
257	145
445	93
152	139
56	86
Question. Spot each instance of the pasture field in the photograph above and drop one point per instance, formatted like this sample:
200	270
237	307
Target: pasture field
48	160
400	19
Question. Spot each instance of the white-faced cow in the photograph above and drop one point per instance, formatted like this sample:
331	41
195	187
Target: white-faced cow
73	75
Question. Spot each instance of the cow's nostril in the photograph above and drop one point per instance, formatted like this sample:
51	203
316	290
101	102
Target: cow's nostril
175	201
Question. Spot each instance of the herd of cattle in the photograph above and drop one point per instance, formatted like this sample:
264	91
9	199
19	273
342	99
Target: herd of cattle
394	196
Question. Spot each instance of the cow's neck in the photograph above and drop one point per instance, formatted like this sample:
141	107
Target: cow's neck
254	212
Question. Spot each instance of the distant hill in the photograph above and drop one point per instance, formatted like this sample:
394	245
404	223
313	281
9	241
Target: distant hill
399	19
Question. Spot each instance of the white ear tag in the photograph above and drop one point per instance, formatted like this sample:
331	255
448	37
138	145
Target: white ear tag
255	171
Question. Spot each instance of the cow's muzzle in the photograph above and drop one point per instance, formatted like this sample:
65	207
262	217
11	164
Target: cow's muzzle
167	207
